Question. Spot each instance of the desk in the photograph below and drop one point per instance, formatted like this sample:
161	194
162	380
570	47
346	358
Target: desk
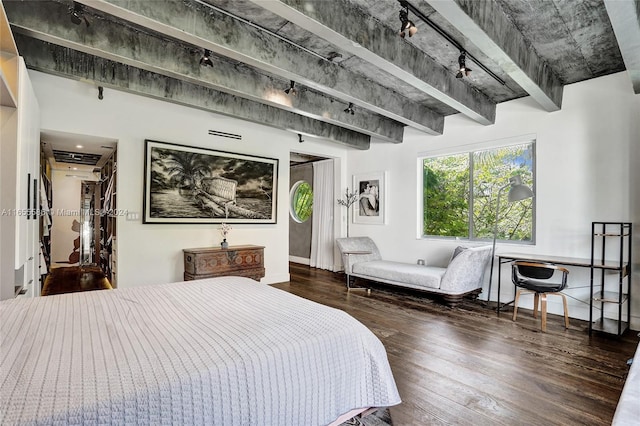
558	260
348	253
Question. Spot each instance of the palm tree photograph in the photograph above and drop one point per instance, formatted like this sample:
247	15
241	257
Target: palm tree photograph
185	184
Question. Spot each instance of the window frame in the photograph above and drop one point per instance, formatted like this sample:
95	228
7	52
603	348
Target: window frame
292	196
469	150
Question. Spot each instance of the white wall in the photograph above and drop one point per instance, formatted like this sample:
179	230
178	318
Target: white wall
587	170
152	254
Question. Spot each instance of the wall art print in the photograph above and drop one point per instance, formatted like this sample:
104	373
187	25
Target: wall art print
371	205
185	184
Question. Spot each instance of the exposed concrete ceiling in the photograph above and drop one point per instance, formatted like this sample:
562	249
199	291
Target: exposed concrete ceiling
337	52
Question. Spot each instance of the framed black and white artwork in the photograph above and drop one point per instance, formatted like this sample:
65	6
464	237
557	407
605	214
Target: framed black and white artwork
185	184
371	205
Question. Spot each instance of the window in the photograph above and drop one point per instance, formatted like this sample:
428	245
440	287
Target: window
301	201
460	194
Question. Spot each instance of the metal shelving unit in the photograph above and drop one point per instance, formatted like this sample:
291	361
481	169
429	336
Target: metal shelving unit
607	236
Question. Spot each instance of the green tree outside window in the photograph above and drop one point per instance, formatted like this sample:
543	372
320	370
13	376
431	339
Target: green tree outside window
301	201
460	194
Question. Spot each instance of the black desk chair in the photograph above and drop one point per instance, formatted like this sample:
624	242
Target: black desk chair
534	277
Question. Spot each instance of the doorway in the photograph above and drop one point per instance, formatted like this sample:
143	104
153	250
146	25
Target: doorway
300	221
81	170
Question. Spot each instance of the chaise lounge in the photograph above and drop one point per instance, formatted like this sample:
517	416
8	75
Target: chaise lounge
463	276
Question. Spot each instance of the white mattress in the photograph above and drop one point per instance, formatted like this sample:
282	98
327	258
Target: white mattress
223	351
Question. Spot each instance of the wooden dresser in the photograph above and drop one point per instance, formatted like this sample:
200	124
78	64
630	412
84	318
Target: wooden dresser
208	262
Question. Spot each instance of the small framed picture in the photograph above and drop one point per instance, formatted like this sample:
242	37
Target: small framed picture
371	205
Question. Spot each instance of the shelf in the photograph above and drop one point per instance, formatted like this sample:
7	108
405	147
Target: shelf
620	249
7	98
610	326
8	64
610	297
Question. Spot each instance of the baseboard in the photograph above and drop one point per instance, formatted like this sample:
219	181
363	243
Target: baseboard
301	260
277	278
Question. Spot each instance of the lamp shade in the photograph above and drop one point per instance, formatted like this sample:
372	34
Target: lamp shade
518	191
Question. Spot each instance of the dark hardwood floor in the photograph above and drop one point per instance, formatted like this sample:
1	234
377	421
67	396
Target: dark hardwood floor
467	366
71	279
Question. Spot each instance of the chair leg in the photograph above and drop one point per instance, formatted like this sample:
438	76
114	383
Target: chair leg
515	304
543	300
566	310
536	301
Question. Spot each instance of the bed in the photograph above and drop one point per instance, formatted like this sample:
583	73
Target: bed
223	351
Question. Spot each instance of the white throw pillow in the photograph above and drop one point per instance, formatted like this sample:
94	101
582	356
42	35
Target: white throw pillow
456	252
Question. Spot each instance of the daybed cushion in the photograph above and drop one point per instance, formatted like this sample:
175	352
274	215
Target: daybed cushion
407	273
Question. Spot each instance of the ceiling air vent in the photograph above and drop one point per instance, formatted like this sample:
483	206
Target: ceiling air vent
224	135
76	157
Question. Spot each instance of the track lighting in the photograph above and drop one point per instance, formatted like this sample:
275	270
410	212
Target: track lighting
463	71
100	92
205	61
406	26
424	18
349	109
291	90
76	13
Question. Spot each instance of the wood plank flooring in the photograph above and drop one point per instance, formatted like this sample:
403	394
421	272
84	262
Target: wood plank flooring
467	366
70	279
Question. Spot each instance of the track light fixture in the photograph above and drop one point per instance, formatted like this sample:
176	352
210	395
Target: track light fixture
76	13
100	92
463	71
406	26
291	90
424	18
205	61
349	109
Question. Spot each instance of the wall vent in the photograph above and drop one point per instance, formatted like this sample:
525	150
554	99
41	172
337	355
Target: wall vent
224	135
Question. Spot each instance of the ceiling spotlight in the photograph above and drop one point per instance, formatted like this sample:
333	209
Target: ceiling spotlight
349	109
100	92
291	90
76	13
300	140
406	26
205	61
463	71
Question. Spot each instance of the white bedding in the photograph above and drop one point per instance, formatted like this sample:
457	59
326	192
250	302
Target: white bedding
222	351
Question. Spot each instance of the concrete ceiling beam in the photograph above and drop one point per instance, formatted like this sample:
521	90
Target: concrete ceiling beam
66	62
625	20
488	28
341	24
117	42
200	25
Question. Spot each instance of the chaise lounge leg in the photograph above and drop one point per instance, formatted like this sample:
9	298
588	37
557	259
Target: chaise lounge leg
453	300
